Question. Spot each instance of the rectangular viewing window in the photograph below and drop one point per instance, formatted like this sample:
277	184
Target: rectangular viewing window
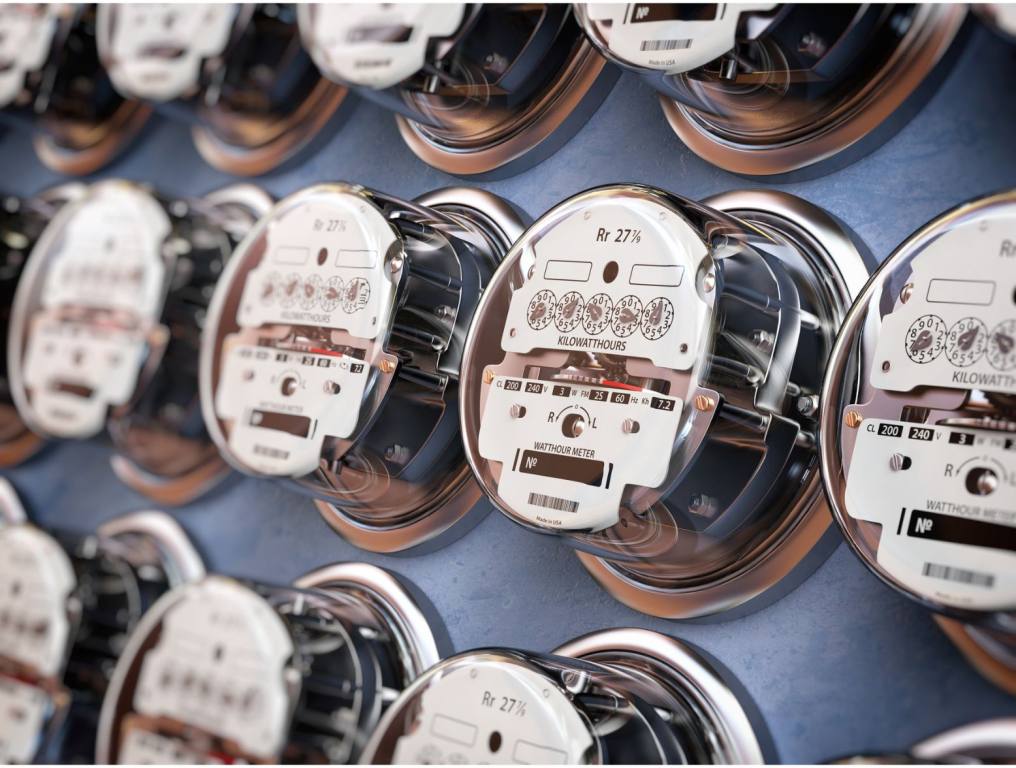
974	292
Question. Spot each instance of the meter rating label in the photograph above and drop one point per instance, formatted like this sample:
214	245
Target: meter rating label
568	450
953	324
617	277
946	500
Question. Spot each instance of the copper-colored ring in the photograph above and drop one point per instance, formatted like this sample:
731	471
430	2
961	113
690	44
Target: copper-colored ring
532	128
20	448
97	145
289	137
899	78
990	667
173	491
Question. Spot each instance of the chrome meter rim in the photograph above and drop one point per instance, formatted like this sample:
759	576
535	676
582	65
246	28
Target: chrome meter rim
475	227
830	262
361	592
993	738
678	666
984	634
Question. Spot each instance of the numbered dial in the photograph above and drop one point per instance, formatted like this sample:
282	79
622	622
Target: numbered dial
626	316
657	318
355	295
331	293
966	342
1002	346
541	310
925	339
597	313
569	311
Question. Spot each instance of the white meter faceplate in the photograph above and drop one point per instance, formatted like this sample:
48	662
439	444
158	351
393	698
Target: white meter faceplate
156	51
919	452
220	671
87	309
611	697
26	38
627	332
376	45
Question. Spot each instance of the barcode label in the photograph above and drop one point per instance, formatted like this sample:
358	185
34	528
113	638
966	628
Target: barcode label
665	45
272	453
553	502
963	576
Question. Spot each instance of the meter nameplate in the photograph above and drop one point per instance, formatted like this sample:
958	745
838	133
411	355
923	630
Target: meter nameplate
77	372
946	500
102	293
617	278
158	49
283	404
568	450
219	665
141	747
24	712
957	328
494	712
36	581
26	37
378	45
325	265
670	37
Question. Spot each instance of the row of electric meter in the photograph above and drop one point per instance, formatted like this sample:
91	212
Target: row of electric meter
683	391
120	648
756	88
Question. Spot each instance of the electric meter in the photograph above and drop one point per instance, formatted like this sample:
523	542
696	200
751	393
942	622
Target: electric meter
477	88
769	89
237	71
1001	17
22	221
919	431
642	377
331	353
989	742
51	80
221	671
64	616
625	696
105	327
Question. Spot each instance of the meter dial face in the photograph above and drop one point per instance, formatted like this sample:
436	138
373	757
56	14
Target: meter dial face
217	668
935	473
583	407
26	37
375	45
85	310
492	708
668	37
296	330
155	51
36	580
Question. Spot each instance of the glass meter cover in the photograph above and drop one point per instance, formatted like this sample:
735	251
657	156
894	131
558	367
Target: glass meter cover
51	77
222	671
66	614
767	88
475	87
608	698
332	354
106	321
22	222
642	377
917	443
240	68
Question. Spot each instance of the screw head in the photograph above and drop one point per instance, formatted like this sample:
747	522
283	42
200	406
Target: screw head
488	376
853	419
807	405
704	403
387	366
630	426
906	292
709	282
517	411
